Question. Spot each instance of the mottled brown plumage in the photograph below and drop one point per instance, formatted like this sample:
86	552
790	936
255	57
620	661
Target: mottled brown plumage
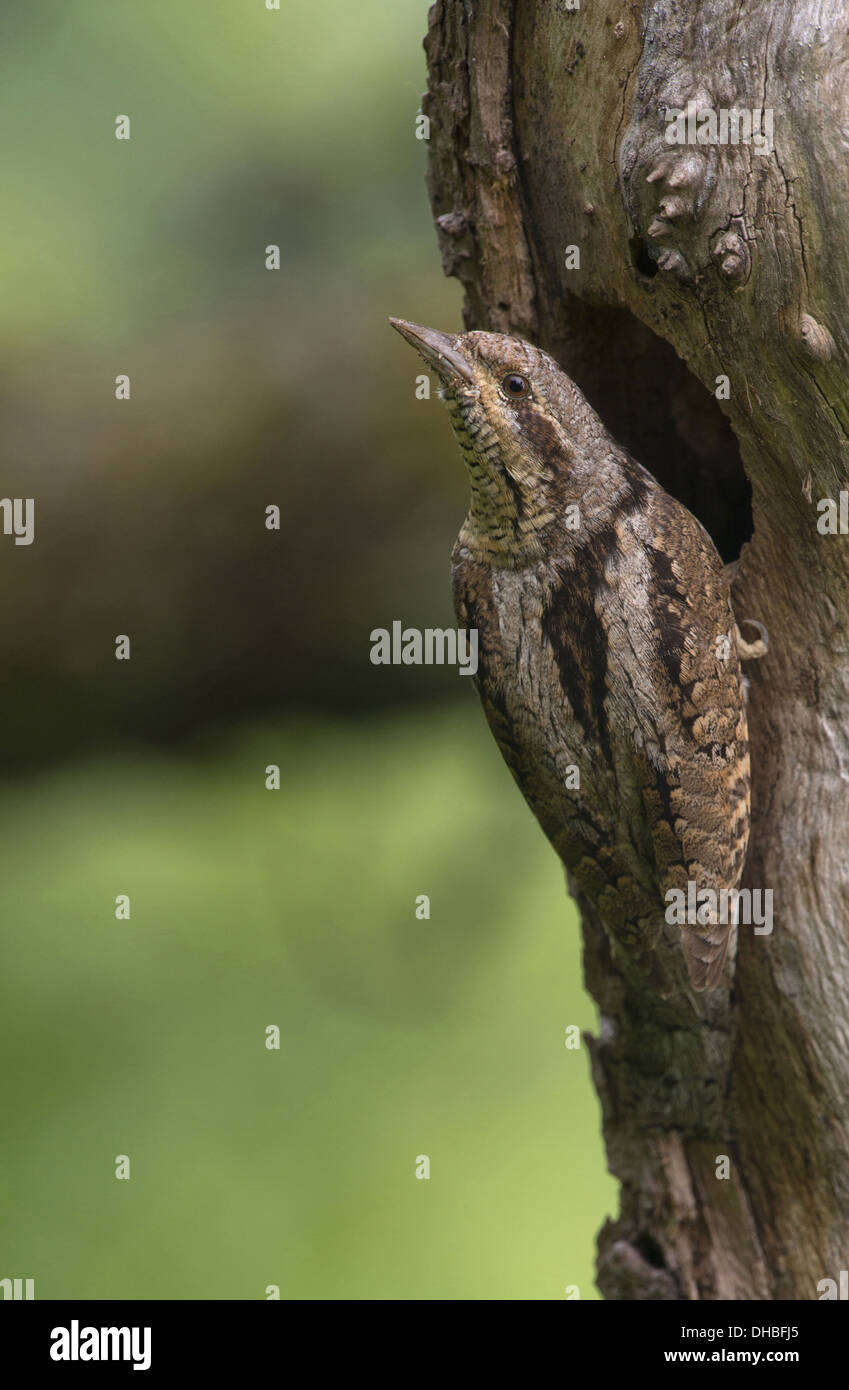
607	644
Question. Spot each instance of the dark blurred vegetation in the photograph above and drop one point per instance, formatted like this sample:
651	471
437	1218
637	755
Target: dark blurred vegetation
249	386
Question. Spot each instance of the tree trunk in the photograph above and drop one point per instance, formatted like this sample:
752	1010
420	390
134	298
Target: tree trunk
698	262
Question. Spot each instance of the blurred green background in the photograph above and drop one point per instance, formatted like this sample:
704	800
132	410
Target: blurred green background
249	908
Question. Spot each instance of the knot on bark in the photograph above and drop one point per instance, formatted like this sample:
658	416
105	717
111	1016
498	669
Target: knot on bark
625	1272
815	340
685	168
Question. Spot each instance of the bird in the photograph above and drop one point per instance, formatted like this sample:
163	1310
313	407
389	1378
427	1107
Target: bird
608	652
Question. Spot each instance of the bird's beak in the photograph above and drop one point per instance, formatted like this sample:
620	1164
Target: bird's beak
437	349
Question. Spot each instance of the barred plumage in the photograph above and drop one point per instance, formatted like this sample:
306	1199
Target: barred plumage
607	644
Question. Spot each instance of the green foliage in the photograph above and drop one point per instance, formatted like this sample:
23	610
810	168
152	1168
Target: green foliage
398	1036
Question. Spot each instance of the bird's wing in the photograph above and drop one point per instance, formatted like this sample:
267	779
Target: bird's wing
696	792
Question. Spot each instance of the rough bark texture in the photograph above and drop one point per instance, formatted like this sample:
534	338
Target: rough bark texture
547	131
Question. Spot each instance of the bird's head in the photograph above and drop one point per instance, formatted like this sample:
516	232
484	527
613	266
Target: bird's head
523	428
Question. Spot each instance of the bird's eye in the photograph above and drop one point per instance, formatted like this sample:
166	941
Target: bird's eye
515	386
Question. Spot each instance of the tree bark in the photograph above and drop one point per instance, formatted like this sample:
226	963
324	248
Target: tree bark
548	132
